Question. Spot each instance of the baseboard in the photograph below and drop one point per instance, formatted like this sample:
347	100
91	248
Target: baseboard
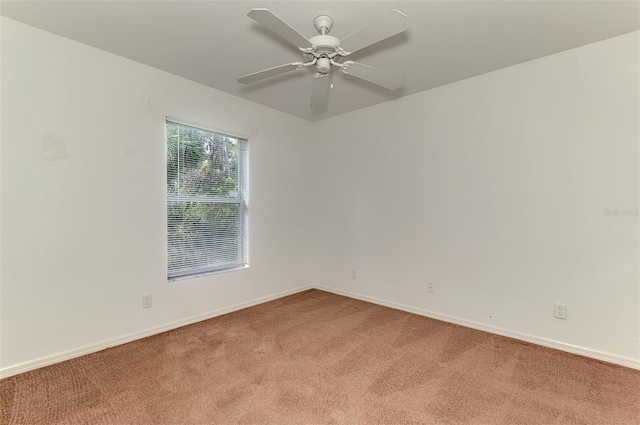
587	352
81	351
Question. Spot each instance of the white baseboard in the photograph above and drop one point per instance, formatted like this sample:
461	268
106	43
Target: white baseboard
587	352
81	351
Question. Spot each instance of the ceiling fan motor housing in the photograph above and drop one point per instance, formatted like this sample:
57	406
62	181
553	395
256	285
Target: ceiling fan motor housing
324	47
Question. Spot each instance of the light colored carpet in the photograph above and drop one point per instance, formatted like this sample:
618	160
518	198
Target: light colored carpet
319	358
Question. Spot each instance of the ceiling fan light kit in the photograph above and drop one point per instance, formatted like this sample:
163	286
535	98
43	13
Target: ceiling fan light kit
324	51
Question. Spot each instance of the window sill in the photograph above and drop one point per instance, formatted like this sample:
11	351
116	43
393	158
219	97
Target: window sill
190	276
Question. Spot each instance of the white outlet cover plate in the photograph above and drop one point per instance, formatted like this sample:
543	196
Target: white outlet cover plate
147	301
560	311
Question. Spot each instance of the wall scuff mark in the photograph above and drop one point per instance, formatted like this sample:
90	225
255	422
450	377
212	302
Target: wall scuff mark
53	148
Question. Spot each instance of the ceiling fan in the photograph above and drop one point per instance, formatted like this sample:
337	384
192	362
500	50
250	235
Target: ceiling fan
325	51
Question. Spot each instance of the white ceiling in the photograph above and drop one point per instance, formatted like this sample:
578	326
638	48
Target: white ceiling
214	42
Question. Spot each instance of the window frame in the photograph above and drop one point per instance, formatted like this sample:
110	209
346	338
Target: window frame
242	202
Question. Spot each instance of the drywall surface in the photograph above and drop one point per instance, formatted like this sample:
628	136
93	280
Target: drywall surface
509	192
83	197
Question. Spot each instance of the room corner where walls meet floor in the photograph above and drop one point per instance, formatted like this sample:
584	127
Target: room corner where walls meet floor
50	360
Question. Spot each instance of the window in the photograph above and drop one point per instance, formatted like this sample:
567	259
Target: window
207	193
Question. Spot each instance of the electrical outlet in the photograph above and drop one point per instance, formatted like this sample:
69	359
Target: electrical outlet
146	301
353	274
431	288
560	311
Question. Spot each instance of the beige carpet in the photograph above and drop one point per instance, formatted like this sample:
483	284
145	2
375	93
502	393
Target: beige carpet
319	358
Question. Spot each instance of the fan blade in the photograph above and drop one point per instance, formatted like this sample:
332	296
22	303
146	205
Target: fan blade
278	26
271	72
320	91
374	75
390	24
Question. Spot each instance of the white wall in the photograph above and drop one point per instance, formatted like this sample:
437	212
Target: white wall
495	188
83	197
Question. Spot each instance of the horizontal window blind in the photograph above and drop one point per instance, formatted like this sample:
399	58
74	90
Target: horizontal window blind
207	200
